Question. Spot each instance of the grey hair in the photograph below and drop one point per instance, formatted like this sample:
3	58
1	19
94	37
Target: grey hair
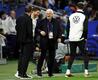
50	10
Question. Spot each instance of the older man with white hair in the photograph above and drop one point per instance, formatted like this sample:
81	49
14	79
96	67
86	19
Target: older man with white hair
50	33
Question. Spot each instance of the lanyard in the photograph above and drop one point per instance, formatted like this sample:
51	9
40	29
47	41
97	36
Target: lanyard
50	27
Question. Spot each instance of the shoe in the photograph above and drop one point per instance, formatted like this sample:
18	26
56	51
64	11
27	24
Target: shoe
45	70
16	75
68	75
29	76
51	75
25	77
86	75
39	76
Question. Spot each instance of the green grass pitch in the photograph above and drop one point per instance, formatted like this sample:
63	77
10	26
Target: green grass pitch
8	70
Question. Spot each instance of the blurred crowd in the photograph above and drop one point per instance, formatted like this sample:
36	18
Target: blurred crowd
62	6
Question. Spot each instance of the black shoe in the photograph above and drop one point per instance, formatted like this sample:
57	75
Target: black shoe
68	75
39	75
25	76
50	75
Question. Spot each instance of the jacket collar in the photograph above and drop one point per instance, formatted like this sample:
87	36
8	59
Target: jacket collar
80	10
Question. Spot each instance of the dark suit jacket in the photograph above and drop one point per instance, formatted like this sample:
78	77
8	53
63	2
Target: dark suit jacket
42	26
24	29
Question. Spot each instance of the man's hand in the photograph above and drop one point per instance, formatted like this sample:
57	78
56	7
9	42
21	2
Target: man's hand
59	40
43	33
37	49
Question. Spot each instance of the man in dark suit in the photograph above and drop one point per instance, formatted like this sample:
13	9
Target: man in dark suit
50	32
25	42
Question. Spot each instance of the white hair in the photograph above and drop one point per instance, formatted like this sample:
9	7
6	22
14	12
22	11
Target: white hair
49	10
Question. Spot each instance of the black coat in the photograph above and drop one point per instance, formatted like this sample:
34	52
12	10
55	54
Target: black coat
42	26
24	29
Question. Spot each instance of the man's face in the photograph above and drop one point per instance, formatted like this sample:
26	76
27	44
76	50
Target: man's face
13	14
3	17
49	15
36	13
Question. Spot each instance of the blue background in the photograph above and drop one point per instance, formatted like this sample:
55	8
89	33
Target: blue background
92	41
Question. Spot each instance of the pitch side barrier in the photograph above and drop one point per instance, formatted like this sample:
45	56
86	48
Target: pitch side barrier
92	40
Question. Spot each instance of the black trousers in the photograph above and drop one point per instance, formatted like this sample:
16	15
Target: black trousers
73	46
26	51
50	58
10	46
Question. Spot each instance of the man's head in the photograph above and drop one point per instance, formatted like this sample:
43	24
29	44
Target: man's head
3	15
36	11
72	7
80	5
49	14
13	14
28	9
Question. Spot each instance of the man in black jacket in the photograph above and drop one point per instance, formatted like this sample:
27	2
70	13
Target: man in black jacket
25	42
50	32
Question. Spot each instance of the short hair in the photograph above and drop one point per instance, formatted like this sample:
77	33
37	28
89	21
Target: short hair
49	10
28	8
2	13
80	5
12	11
1	30
36	9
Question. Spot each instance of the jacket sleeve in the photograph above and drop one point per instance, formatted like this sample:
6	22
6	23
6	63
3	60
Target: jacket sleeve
29	29
85	30
68	28
37	34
